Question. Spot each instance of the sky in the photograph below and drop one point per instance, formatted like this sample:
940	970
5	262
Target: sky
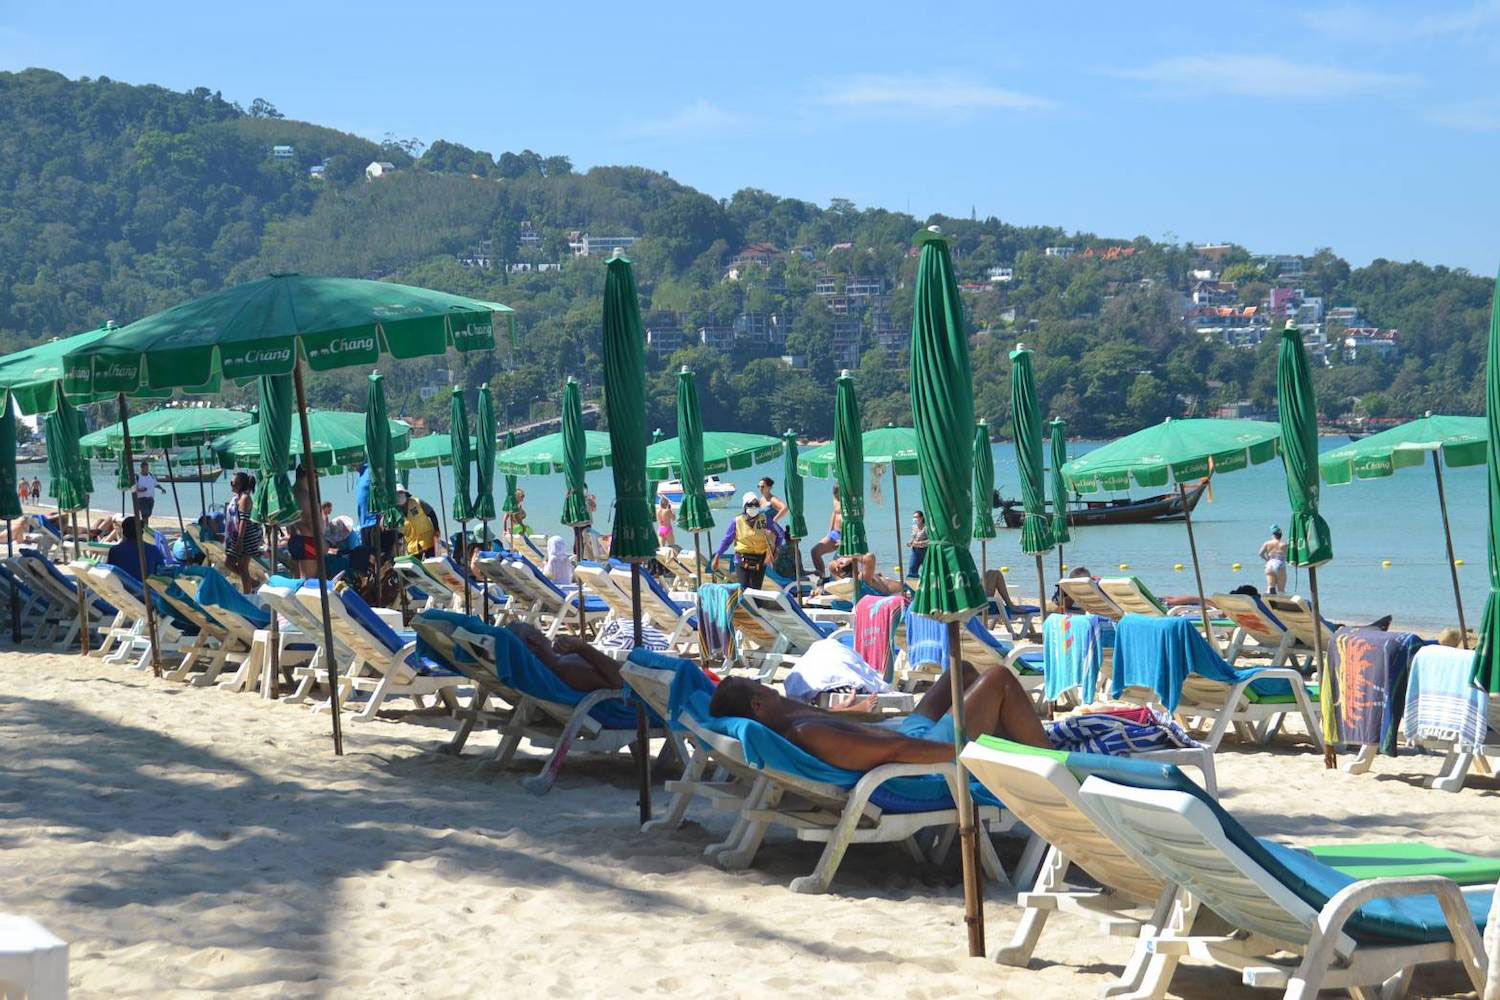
1369	128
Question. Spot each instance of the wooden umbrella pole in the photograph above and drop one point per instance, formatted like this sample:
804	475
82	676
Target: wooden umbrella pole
1325	680
83	608
270	686
1458	601
797	564
967	836
984	571
697	560
578	594
15	606
642	733
140	542
1187	518
202	498
463	544
1041	586
176	503
315	497
896	505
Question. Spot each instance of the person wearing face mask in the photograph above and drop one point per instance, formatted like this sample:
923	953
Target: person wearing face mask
755	539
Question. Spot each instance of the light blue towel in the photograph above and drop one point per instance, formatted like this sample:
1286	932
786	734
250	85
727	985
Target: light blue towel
1441	704
1072	653
1159	653
716	604
214	591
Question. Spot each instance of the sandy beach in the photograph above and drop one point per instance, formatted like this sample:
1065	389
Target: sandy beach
190	842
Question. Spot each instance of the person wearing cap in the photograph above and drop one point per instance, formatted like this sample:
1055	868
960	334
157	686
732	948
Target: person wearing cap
1273	551
755	540
417	530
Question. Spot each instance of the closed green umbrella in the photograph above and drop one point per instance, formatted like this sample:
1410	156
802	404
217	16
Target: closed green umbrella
1487	651
337	439
1460	441
10	501
64	457
1026	424
890	446
796	519
273	503
509	505
1060	531
547	455
484	458
124	481
575	512
458	440
380	452
1311	543
949	589
849	469
631	537
694	515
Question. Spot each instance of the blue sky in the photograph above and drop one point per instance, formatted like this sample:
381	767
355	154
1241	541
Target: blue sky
1370	128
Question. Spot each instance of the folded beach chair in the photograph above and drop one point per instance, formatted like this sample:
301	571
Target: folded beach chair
1296	614
1445	712
1257	630
1342	930
773	782
212	645
541	707
1085	594
675	619
126	594
1042	787
1167	661
385	663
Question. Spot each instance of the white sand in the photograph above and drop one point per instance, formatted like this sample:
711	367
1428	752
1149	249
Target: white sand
189	842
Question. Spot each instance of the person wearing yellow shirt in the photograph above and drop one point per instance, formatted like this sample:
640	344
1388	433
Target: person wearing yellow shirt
754	539
417	530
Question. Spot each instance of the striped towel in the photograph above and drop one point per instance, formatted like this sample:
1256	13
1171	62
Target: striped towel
716	606
620	634
1441	704
1100	732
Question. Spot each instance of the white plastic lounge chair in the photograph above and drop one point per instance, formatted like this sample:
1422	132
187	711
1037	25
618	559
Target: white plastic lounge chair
1086	596
211	648
547	605
130	633
795	628
421	589
1296	614
47	601
1257	631
299	625
444	570
1366	936
38	625
675	619
595	580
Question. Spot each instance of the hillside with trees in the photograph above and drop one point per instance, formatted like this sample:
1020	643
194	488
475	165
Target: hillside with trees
119	200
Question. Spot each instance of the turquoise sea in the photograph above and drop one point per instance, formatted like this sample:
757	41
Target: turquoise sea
1393	519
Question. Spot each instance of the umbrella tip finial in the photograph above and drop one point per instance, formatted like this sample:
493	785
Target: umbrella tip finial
684	370
934	228
619	251
1427	414
1021	346
843	373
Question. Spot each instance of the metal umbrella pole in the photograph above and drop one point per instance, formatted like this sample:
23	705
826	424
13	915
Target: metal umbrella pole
1327	681
271	685
442	503
642	734
464	572
578	594
314	495
140	541
1458	601
176	503
202	499
15	607
1187	519
896	506
967	836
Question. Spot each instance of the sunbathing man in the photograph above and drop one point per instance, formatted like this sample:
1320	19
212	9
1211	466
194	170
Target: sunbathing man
847	567
579	665
994	704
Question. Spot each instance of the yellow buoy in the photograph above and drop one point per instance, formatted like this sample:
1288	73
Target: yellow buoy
1063	567
1235	567
1124	565
1458	562
1005	569
1385	564
1177	567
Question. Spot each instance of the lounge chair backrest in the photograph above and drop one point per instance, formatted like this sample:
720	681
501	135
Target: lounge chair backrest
1251	614
777	612
1131	595
1296	615
596	577
656	602
1084	592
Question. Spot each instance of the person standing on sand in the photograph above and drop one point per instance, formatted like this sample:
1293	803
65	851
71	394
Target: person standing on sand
830	541
36	490
146	488
23	491
1273	551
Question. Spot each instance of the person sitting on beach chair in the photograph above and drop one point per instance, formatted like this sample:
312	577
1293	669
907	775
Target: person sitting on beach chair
578	664
863	568
994	704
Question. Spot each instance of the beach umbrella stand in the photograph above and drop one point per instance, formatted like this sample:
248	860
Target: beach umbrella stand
796	523
315	497
1458	600
10	502
1036	528
484	478
1187	521
984	487
176	501
140	540
463	509
202	497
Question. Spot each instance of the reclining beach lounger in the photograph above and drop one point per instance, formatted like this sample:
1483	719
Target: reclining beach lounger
421	589
595	581
48	601
446	571
1167	662
385	663
1257	630
125	593
1295	613
1042	787
795	629
38	627
299	626
676	620
1086	596
926	643
1446	713
542	708
245	621
1131	596
212	645
550	607
1342	930
780	784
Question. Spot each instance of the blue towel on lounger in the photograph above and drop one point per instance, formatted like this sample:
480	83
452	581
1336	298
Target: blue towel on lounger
1159	653
1072	653
214	591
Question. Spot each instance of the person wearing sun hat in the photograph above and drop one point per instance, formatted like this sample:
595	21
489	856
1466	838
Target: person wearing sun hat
1273	551
755	540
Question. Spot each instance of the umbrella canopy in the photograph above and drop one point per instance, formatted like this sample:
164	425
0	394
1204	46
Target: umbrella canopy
1310	543
1184	450
427	452
65	462
942	407
575	510
694	514
262	327
509	504
338	441
1060	532
721	451
1461	440
169	427
1026	423
380	452
484	457
10	502
631	537
849	468
545	455
33	374
273	502
796	519
984	482
1487	653
891	446
458	448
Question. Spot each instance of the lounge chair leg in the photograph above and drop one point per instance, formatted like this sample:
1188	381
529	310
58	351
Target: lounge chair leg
541	784
1148	974
1029	931
838	842
747	834
942	843
382	688
514	730
1030	862
989	861
1361	761
1455	770
470	718
678	807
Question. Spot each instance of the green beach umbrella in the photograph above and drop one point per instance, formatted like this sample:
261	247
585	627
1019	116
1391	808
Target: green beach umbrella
10	501
380	453
168	427
458	441
484	457
83	477
430	451
1310	543
338	441
694	515
1487	653
63	456
34	374
1026	424
720	452
1183	451
575	512
632	537
123	479
509	505
849	468
796	518
273	501
1060	532
949	589
895	447
546	455
984	482
1461	441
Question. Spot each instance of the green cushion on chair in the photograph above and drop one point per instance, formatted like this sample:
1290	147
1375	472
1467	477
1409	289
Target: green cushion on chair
1364	861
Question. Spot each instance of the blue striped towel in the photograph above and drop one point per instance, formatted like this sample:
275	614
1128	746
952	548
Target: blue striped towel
1441	704
716	606
1116	737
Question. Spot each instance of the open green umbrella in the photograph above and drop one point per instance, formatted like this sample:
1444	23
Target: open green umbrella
949	589
693	515
575	512
10	501
1058	428
849	468
484	458
168	427
1311	543
458	439
1461	441
721	451
546	455
273	503
796	518
34	374
1487	651
889	446
1026	424
337	439
631	537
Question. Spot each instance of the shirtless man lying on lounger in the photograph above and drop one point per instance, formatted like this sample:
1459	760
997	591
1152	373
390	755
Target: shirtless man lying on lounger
581	666
994	704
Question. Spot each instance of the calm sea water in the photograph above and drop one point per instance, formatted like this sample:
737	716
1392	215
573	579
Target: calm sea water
1393	519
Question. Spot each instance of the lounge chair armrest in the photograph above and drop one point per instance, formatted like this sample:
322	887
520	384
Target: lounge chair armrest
1019	650
1346	901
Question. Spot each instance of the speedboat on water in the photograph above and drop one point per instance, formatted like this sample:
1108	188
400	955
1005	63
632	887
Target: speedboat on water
719	493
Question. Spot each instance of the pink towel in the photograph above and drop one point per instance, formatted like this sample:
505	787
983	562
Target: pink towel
875	621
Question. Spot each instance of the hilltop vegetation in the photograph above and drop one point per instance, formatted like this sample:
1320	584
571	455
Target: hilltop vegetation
119	200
